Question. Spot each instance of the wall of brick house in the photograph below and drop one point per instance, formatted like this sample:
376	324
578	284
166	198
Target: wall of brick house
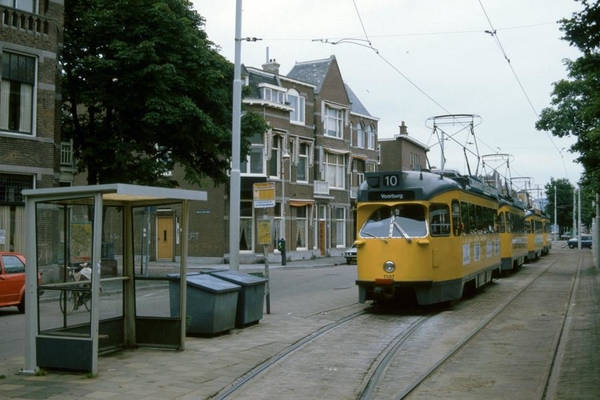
38	35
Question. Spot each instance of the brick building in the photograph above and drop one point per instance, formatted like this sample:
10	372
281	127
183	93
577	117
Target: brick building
30	38
321	142
402	152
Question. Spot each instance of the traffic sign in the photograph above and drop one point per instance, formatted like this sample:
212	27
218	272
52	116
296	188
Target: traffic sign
264	194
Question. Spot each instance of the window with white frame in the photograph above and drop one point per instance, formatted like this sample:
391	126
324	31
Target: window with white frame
371	167
246	226
301	227
255	161
302	167
297	102
25	5
371	137
334	122
335	170
272	94
275	161
16	93
340	227
360	135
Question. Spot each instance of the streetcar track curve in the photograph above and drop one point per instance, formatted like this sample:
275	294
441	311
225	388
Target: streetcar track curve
290	349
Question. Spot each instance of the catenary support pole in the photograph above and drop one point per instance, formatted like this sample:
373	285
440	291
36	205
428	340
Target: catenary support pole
235	180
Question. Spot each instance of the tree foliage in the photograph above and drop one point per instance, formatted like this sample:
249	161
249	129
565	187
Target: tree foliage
575	104
145	90
560	192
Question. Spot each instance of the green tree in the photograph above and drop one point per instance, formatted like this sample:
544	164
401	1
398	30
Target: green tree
145	90
564	203
575	104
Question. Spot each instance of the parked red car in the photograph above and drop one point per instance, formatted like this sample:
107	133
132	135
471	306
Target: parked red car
12	280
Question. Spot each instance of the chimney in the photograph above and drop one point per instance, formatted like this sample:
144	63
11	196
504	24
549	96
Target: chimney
403	129
272	66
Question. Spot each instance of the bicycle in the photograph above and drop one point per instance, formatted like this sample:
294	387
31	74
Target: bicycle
72	299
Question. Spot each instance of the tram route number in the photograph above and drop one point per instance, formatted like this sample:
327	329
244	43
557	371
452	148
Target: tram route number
391	180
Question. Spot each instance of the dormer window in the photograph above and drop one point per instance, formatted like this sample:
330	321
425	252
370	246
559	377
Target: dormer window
272	94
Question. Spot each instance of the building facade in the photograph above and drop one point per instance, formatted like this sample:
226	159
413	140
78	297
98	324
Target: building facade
402	152
320	143
30	148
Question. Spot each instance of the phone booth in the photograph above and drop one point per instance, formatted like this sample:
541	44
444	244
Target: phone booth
93	246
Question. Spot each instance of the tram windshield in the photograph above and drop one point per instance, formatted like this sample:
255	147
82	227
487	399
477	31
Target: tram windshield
402	221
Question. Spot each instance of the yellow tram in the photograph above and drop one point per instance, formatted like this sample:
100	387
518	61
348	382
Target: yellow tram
546	234
534	228
427	235
511	225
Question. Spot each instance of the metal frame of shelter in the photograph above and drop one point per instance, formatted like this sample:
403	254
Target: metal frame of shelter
68	348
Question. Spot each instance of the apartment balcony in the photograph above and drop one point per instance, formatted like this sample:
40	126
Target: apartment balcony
321	188
24	21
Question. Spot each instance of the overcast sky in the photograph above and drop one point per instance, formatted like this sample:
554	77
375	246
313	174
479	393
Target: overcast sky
411	60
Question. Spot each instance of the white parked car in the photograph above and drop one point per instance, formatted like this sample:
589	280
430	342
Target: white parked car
350	255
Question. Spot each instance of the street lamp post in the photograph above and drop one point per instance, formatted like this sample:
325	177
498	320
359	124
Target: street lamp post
285	156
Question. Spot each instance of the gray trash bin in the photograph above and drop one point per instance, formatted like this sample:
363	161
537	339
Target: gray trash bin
250	299
211	305
174	292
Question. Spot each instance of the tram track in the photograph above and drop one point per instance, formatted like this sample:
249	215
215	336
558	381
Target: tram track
376	343
289	350
400	325
548	376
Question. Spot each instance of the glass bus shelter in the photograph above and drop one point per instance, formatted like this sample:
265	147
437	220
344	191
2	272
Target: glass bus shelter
98	292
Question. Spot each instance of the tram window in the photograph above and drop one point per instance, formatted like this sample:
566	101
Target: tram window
456	222
490	220
378	224
502	225
472	219
439	220
407	220
479	219
465	218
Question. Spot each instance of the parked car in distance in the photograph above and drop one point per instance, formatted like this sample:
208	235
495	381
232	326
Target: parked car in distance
350	254
12	280
566	236
586	241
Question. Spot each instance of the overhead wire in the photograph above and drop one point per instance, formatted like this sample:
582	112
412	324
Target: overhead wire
493	32
407	79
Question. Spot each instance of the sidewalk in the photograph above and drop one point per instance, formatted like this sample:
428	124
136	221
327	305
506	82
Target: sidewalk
206	366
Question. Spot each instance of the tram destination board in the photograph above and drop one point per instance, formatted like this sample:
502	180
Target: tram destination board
392	195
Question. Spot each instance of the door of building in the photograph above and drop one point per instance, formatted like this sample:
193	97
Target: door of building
165	237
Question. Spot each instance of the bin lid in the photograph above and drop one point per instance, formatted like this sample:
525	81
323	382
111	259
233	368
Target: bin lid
211	284
177	274
239	278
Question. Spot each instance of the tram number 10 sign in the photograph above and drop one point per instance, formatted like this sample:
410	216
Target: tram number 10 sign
391	180
264	194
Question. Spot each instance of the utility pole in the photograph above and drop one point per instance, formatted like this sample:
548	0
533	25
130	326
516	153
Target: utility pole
235	180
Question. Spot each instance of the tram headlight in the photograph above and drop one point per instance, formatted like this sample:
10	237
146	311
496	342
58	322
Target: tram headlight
389	267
